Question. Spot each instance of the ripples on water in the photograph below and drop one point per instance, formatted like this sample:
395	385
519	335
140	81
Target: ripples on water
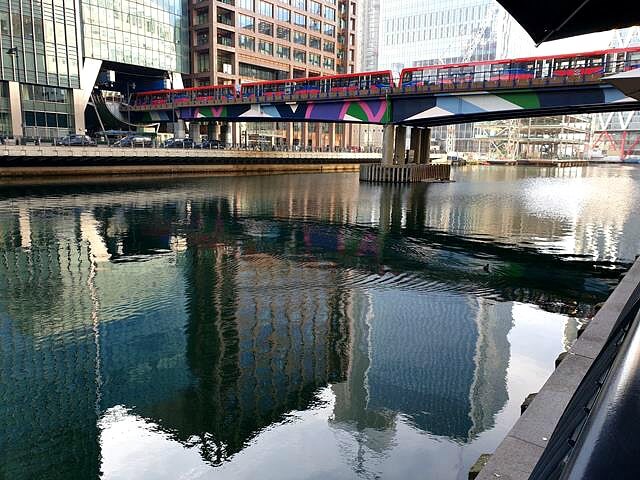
298	326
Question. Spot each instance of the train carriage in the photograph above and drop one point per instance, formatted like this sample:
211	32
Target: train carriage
557	66
339	84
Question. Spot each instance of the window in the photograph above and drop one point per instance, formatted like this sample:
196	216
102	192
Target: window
246	4
315	8
315	25
314	59
283	52
265	28
266	48
300	20
247	42
246	22
299	38
265	9
329	63
329	47
329	29
283	14
299	56
330	13
301	4
314	42
283	33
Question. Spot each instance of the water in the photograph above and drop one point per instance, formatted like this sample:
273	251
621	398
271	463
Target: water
292	327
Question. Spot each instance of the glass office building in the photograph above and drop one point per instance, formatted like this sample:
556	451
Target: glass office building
45	79
39	65
148	33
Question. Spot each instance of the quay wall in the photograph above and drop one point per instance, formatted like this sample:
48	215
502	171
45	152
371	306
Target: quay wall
30	161
517	455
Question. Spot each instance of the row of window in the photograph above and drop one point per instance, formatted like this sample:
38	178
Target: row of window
267	9
249	23
284	33
282	51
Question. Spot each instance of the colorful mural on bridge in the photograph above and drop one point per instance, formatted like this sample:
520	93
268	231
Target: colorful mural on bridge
356	111
438	109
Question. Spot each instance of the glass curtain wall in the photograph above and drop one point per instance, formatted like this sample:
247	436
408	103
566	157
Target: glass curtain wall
149	33
38	41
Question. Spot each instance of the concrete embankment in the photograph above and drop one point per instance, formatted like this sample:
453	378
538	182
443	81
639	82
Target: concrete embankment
61	161
520	451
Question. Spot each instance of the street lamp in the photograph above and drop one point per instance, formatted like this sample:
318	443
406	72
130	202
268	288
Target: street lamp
133	86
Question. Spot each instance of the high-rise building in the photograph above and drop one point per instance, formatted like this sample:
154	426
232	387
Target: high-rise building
234	42
368	35
418	33
53	53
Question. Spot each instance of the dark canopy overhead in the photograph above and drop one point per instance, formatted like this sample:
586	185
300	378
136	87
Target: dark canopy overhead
548	20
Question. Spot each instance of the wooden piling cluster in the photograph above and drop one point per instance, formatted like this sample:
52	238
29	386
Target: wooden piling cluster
410	173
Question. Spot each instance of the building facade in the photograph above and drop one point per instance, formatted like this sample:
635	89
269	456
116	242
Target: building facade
238	41
415	33
53	53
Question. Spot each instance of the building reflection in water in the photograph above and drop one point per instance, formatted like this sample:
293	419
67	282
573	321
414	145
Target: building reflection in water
213	317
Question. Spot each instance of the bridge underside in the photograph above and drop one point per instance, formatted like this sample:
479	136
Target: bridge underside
435	110
370	111
415	109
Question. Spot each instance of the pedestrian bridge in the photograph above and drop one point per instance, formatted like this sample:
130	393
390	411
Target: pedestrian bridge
420	106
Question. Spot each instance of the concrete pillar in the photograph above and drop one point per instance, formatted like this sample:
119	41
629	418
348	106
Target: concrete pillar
235	138
400	145
332	136
179	129
194	132
416	138
425	146
388	142
304	135
289	136
15	105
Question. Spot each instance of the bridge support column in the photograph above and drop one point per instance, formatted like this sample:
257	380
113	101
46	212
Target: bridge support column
194	132
289	136
400	145
425	146
304	135
332	137
388	141
416	139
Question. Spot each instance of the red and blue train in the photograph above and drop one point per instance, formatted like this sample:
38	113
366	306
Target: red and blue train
556	66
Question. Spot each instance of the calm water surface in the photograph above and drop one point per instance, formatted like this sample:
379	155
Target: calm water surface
293	327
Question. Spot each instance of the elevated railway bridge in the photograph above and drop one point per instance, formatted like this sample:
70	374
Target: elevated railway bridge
422	97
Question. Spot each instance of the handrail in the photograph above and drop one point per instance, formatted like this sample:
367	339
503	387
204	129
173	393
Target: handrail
596	437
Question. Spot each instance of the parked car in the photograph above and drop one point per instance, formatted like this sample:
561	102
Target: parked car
134	141
77	141
179	143
212	144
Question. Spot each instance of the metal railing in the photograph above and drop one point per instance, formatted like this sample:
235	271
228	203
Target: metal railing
597	435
